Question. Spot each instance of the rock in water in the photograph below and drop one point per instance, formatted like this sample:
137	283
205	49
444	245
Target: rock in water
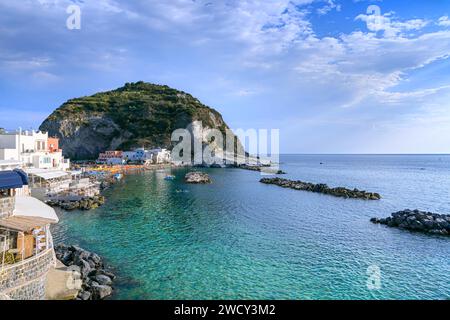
84	203
197	177
415	220
134	115
100	292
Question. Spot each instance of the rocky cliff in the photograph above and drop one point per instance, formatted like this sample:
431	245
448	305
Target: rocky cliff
135	115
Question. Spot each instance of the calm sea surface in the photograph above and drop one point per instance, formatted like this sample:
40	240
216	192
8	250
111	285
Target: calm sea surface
238	238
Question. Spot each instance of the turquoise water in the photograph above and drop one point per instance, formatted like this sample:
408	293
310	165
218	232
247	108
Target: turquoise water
238	238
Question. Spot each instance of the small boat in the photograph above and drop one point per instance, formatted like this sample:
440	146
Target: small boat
169	177
118	176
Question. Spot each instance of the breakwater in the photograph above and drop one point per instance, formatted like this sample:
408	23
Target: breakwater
415	220
70	203
340	192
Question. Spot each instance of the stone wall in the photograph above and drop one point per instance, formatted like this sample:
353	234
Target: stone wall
33	290
26	280
6	206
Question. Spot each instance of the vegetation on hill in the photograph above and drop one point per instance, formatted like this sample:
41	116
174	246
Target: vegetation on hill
138	114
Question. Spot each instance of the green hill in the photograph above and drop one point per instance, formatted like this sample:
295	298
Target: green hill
135	115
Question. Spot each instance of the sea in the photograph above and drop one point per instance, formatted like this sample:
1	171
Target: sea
240	239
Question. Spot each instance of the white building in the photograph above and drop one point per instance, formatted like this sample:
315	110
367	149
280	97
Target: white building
155	156
159	156
32	149
115	161
136	155
44	182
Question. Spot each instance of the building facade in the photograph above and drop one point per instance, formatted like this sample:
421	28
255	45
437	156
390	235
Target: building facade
154	156
111	157
33	149
159	156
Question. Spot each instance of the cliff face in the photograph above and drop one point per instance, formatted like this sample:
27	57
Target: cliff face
135	115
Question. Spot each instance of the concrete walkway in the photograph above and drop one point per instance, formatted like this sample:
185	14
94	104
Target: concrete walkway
59	279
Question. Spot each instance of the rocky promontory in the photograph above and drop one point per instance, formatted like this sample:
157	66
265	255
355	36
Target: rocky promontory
134	115
197	178
322	188
96	281
416	220
77	203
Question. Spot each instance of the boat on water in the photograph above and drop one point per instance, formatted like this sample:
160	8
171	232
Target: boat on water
169	177
118	176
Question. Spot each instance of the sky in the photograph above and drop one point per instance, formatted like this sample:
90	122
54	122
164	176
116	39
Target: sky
335	76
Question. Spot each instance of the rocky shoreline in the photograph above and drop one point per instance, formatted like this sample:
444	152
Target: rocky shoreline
415	220
77	203
322	188
96	279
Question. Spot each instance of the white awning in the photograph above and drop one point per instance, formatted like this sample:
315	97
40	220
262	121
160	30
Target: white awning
48	174
10	163
29	213
31	207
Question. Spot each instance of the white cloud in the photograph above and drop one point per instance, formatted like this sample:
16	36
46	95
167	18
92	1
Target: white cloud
257	45
18	62
331	5
444	21
391	27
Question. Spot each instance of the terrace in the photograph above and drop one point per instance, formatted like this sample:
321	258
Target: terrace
26	244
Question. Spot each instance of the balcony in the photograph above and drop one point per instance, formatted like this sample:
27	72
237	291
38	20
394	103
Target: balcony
6	206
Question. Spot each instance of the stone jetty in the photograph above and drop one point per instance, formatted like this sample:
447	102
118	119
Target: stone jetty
70	203
322	188
196	177
416	220
96	281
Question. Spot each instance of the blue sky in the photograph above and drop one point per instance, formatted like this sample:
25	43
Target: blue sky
333	77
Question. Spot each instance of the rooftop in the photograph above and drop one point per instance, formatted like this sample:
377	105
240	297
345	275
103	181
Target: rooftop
47	174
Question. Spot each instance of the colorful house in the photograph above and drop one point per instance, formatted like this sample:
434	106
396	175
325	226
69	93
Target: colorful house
111	157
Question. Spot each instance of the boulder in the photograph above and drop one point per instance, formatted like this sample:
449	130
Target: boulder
100	292
196	177
85	268
84	295
103	279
